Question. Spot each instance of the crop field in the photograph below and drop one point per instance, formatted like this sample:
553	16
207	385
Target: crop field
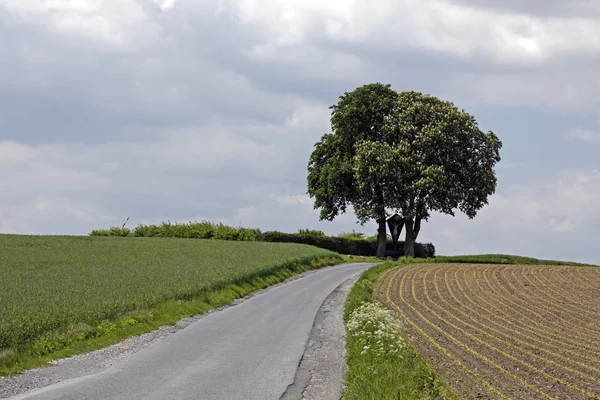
48	283
503	331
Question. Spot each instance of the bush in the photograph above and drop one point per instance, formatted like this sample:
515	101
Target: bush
339	245
374	238
198	230
352	235
311	232
113	231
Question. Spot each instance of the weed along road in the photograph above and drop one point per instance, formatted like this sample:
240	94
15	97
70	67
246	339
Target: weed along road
248	351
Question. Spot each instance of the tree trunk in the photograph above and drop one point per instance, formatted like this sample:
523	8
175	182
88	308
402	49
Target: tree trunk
409	242
417	228
381	238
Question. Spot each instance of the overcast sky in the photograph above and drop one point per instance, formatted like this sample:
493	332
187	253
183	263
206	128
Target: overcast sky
189	110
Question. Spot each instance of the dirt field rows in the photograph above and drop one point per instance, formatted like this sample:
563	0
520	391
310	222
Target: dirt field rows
503	331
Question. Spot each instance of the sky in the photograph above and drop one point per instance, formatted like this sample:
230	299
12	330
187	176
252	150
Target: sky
181	110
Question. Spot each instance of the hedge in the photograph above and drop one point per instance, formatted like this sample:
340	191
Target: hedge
198	230
341	245
209	230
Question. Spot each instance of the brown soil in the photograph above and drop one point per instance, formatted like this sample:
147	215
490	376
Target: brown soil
503	331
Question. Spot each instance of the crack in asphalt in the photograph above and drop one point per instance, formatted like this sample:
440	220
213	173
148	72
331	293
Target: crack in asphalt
320	373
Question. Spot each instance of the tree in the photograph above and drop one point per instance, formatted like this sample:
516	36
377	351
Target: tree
433	157
405	153
358	116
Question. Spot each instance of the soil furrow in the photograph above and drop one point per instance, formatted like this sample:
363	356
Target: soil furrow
566	286
517	316
540	293
555	342
505	332
487	327
541	314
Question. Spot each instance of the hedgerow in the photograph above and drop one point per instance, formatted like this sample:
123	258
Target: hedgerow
343	244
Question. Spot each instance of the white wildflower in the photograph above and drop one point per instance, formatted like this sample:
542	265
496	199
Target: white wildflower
375	330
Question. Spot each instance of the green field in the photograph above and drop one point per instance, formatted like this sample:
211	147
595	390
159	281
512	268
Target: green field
73	284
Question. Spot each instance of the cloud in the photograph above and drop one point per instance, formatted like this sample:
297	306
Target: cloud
491	55
238	59
176	174
463	30
155	74
557	220
585	135
294	200
15	153
510	165
565	205
165	4
577	8
180	110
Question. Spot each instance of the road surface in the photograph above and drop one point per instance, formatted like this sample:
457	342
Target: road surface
249	351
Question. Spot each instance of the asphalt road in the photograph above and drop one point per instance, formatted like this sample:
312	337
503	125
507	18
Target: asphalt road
248	351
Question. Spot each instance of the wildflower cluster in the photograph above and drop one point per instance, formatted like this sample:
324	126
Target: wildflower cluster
376	331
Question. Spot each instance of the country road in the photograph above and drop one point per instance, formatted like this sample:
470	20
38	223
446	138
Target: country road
248	351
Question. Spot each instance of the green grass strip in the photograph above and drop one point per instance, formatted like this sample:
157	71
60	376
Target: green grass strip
382	364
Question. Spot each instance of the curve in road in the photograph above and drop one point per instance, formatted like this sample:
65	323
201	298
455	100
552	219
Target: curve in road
249	351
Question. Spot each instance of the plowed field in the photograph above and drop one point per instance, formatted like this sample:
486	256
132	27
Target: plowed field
503	331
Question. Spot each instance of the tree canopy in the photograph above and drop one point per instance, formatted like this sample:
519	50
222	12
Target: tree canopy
407	153
357	116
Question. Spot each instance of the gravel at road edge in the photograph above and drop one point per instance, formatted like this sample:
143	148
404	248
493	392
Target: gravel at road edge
320	375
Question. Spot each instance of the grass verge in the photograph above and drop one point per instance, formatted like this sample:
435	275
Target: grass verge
64	296
382	364
359	259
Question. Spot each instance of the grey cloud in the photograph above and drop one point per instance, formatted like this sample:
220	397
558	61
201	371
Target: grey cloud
320	66
73	89
197	69
579	8
182	120
179	173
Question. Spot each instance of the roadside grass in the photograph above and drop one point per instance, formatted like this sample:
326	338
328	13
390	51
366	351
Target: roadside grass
382	363
62	295
359	259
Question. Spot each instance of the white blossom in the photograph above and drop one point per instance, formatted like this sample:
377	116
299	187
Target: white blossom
376	331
